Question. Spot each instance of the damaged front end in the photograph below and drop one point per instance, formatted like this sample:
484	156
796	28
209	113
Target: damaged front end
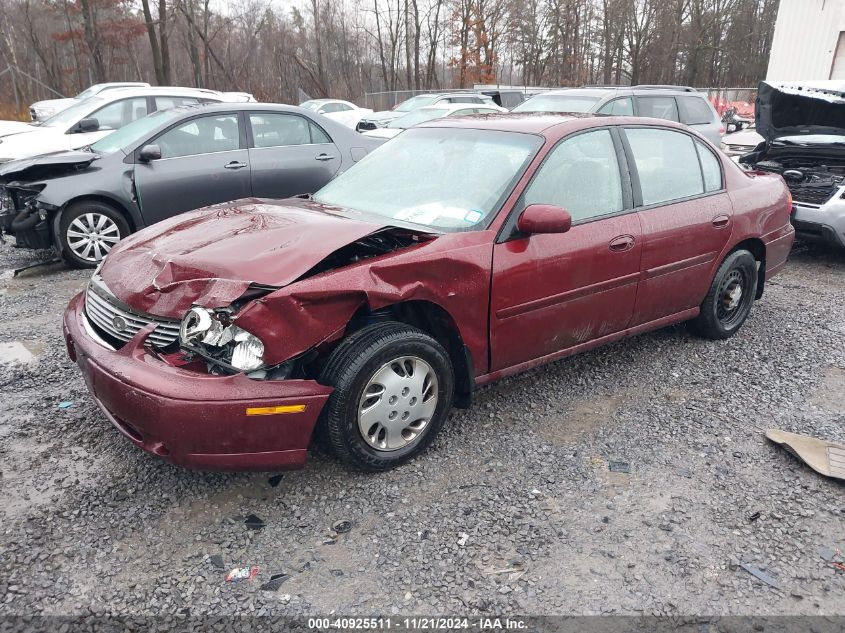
199	325
804	130
21	216
808	181
21	182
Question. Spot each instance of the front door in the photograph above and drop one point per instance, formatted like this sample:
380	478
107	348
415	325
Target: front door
686	216
553	292
201	163
289	155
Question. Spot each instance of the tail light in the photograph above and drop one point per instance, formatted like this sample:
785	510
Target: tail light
789	203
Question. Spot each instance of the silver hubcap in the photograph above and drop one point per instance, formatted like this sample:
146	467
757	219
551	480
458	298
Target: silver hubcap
398	403
91	236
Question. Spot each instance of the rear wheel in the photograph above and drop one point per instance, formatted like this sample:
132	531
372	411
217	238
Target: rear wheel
87	232
730	297
393	390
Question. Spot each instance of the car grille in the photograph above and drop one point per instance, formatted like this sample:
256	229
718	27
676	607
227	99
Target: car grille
120	324
366	125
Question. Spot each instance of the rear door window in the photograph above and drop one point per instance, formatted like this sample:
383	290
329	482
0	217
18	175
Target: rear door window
658	107
710	168
277	130
667	164
695	111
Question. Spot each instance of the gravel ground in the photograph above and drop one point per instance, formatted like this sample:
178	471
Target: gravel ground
514	509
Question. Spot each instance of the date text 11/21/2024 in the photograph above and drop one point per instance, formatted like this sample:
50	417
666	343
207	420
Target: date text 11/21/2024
422	623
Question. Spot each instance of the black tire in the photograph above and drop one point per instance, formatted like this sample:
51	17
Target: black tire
349	369
79	211
718	319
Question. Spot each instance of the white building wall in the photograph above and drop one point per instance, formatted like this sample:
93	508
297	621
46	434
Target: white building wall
805	39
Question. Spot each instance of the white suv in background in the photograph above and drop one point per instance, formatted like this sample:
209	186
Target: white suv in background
41	110
96	117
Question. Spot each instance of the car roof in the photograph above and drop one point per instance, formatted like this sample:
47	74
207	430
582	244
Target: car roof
175	91
601	91
548	124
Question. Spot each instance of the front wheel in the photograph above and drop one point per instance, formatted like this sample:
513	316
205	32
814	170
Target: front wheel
87	232
393	390
730	297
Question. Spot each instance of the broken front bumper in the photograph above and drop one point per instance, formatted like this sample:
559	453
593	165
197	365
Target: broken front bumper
824	223
190	419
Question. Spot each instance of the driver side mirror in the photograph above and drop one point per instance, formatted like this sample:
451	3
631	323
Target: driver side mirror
87	125
543	218
732	127
148	153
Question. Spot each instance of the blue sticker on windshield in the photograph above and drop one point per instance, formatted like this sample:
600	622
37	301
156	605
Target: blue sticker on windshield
473	216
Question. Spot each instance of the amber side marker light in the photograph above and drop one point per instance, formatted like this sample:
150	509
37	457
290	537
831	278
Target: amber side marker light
281	409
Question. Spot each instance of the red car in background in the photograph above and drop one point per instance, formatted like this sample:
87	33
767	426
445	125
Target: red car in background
462	251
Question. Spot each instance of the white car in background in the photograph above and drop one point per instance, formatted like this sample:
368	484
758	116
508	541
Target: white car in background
344	112
736	144
96	117
429	113
41	110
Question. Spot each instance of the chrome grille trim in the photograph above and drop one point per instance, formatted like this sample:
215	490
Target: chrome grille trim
102	313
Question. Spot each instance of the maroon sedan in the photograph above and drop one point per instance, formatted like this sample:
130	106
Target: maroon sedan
462	251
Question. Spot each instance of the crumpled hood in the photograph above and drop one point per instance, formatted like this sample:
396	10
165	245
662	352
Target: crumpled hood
38	164
798	109
211	256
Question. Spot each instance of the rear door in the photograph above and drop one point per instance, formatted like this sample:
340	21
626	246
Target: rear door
686	217
553	292
204	161
290	154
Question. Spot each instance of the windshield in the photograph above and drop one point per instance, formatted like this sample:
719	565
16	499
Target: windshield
310	105
416	102
74	113
418	116
557	103
467	175
134	132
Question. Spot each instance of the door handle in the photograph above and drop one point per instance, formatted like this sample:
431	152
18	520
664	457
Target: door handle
235	165
323	157
622	243
721	221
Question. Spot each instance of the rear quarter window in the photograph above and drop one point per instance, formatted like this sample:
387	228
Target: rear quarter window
695	111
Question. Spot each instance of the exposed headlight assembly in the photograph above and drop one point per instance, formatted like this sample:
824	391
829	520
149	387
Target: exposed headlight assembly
216	334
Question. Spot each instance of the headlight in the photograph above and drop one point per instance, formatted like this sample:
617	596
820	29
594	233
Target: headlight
225	341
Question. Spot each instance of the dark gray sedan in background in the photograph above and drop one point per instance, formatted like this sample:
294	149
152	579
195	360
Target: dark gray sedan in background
176	160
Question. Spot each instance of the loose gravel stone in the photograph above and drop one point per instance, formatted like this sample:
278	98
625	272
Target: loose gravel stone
514	508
